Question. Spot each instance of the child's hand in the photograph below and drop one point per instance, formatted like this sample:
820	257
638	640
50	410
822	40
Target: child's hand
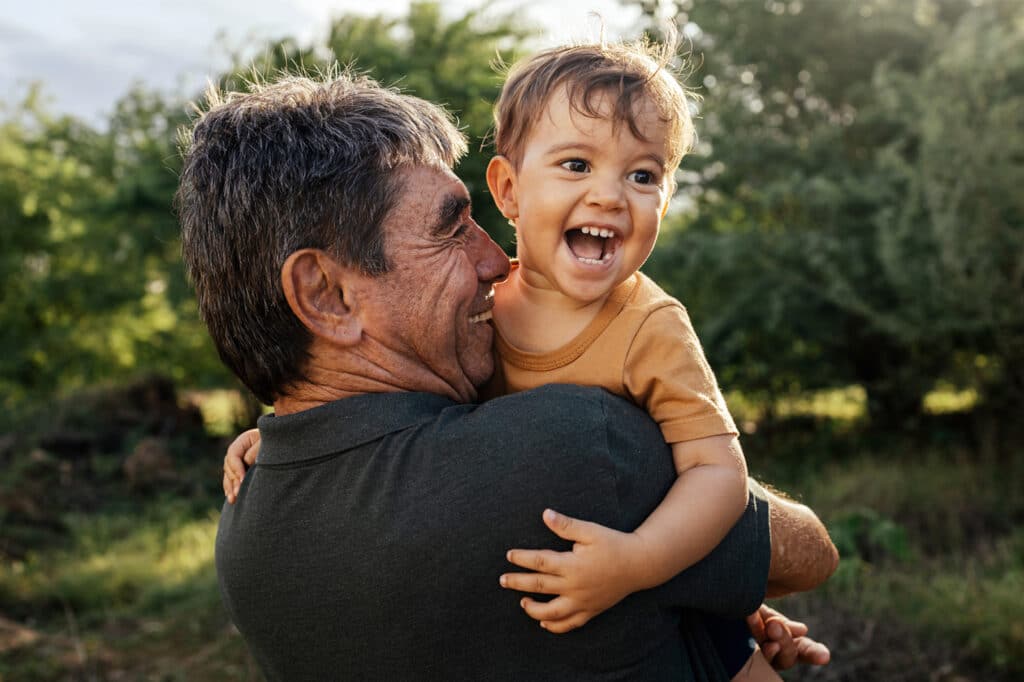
241	455
602	568
784	642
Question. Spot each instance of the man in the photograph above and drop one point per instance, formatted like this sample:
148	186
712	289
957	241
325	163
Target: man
344	280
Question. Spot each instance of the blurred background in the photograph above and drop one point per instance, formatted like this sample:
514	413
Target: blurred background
848	238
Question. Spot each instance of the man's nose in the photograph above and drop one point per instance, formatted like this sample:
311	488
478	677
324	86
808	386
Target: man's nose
606	191
492	264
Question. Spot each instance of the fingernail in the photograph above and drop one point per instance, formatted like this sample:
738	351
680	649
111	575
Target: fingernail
504	581
550	514
508	555
522	603
544	625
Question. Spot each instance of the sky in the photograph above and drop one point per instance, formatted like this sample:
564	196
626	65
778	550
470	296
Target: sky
86	54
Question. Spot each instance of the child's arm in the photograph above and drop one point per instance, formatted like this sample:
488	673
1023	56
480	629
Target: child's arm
606	565
241	455
701	506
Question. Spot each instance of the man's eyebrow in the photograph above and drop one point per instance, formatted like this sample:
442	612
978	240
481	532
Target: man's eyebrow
451	210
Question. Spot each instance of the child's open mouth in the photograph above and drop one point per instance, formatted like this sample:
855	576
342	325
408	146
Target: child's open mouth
592	245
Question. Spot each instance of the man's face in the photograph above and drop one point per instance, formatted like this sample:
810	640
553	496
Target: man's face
435	301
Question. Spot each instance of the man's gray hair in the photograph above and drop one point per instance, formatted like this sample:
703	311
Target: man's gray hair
298	163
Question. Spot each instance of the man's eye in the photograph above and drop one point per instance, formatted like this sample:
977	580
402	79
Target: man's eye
642	177
576	165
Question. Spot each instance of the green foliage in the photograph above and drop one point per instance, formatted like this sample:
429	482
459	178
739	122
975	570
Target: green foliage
92	281
855	213
866	535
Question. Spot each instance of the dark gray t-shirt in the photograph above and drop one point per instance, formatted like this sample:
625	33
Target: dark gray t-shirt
368	540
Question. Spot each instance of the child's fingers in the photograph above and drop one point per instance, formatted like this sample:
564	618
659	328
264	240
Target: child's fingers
814	653
756	624
243	443
229	485
566	624
234	466
540	560
786	655
558	609
537	583
568	528
796	628
252	453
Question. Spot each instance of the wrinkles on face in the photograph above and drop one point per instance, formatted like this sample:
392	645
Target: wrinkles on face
419	320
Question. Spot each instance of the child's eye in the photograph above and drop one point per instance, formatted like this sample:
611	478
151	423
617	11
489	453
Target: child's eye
643	177
576	165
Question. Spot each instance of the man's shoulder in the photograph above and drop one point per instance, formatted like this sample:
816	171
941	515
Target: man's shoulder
587	400
579	415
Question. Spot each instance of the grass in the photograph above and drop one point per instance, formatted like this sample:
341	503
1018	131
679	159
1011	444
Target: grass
134	592
932	571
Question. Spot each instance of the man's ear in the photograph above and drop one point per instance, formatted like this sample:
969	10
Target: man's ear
314	285
501	180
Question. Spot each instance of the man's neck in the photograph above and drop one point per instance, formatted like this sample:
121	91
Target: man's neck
306	396
355	373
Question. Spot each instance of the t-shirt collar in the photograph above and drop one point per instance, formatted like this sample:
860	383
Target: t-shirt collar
343	424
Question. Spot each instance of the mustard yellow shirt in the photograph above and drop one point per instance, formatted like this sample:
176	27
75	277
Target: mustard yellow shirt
641	346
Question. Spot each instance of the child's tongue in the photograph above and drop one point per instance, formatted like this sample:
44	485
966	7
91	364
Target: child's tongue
584	245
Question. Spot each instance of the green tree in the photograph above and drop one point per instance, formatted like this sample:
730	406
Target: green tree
93	288
832	239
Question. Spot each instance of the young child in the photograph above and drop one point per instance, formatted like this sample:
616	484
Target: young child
588	138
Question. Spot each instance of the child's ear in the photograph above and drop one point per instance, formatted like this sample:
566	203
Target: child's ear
315	287
668	196
501	180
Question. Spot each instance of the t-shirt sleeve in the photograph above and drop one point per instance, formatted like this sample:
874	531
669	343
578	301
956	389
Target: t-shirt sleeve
667	374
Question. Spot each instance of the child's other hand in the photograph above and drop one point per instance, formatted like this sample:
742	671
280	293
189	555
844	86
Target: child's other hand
784	642
241	455
600	570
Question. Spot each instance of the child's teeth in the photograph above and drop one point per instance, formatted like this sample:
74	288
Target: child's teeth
594	261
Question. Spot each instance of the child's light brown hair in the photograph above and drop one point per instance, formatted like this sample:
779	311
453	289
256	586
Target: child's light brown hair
630	72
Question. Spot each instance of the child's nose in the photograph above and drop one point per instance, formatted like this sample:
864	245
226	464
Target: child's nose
606	192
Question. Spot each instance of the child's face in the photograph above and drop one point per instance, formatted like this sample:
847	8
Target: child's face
588	199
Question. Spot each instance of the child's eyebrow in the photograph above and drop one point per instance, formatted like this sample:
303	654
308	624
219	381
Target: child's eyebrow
566	146
451	210
587	147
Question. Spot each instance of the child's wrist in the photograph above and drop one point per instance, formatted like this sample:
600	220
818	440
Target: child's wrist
645	564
